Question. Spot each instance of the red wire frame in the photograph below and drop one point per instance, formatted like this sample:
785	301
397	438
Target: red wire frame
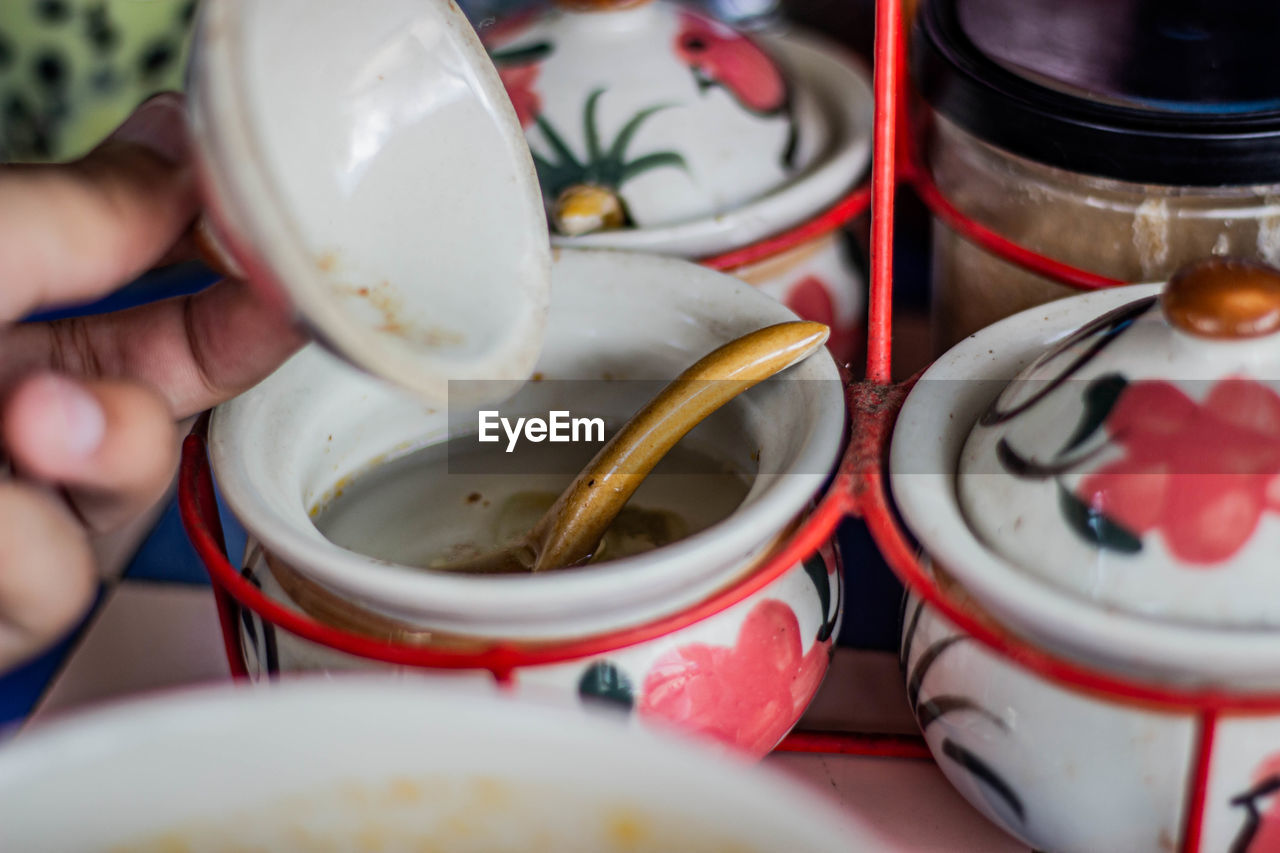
858	489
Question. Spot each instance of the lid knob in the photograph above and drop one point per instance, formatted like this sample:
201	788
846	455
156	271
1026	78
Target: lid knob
1224	298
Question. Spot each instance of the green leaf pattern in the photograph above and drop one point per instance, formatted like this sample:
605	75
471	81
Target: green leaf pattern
1094	527
600	166
1088	522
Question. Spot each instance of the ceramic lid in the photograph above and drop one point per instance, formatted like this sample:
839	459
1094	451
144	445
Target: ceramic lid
645	114
1137	464
369	170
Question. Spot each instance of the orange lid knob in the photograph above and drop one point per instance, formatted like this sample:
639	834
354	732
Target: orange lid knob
1224	298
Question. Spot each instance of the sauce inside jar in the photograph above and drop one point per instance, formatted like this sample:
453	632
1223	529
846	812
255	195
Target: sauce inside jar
439	505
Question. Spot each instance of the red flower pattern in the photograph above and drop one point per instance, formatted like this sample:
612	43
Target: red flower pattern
1201	474
721	56
748	695
518	81
517	78
810	298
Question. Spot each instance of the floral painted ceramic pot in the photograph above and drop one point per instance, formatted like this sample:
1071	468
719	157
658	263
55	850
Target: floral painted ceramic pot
1114	503
742	676
71	70
658	129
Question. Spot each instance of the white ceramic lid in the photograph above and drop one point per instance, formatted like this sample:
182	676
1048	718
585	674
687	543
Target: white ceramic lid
369	169
649	115
1136	464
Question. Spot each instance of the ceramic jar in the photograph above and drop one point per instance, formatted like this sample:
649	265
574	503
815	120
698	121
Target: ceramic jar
408	234
742	676
1098	476
1066	770
658	129
72	70
1059	769
1124	156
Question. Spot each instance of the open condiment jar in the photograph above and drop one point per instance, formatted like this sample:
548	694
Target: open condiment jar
1119	137
371	173
349	487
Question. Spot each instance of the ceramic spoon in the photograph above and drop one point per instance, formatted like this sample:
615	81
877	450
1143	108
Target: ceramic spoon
571	530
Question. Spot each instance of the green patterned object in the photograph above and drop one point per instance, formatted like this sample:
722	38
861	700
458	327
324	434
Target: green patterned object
72	70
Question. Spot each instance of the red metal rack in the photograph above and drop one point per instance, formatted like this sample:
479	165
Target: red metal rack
858	490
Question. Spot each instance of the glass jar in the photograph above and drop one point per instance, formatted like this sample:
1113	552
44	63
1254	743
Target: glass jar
1120	137
1129	231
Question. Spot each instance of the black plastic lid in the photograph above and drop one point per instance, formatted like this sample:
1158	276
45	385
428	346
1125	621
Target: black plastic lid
1179	92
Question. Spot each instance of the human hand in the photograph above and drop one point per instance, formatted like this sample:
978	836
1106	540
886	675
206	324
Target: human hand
89	405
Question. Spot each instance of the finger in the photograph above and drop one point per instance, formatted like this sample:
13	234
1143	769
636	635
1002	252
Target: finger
111	445
47	576
72	232
201	350
196	351
186	248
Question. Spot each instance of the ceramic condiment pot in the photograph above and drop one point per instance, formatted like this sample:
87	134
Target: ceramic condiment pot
1113	503
656	128
742	676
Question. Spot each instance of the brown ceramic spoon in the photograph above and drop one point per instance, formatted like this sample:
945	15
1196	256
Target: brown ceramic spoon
571	530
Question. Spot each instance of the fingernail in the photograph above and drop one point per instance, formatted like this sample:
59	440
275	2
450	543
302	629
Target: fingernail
74	414
159	124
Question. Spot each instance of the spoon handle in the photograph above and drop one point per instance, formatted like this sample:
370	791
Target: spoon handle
572	528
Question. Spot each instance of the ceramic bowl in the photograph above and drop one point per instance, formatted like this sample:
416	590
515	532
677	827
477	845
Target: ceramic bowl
362	764
760	133
368	173
1063	769
284	447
